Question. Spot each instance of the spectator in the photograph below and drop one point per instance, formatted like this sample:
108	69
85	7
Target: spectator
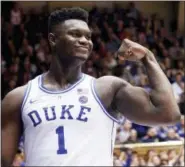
133	138
132	11
26	49
177	87
150	155
172	135
156	160
113	43
151	136
164	157
123	133
16	15
181	128
142	161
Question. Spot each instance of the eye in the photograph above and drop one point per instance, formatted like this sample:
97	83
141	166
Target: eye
76	34
89	36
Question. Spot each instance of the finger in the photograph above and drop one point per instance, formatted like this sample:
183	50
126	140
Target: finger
128	42
122	58
138	51
129	53
124	46
125	55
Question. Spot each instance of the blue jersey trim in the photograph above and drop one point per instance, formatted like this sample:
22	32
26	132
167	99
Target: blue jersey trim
112	138
124	121
100	103
26	93
41	86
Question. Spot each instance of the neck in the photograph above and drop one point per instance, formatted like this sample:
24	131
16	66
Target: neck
64	73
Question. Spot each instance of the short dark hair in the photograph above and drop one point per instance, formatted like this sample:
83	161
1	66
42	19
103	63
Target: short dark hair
178	73
59	16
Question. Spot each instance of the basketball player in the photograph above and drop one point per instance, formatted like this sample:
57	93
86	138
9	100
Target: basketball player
69	118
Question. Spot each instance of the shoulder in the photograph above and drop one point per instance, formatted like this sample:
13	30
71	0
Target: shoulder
13	100
19	91
111	81
106	88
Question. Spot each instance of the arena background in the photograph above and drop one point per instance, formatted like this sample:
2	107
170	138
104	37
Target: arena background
25	53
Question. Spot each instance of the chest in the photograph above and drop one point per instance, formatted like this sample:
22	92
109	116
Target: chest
52	110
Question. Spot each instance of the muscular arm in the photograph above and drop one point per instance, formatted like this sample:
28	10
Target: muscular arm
157	108
11	125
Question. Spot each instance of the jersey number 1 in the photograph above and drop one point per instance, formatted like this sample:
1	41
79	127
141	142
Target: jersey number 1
61	143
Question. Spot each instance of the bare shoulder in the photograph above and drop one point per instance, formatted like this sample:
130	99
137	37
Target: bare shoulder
106	88
13	100
110	82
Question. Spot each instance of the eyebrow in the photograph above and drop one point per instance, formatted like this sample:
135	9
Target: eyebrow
79	29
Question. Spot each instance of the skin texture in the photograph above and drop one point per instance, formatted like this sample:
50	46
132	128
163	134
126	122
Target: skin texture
71	45
11	124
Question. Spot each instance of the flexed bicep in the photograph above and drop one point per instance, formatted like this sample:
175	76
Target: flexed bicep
136	105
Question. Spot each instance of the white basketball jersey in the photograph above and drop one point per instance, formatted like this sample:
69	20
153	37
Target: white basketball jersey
67	128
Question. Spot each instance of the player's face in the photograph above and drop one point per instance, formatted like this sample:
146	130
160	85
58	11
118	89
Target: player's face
74	39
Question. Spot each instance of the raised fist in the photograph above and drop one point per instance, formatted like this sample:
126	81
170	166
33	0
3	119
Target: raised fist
130	50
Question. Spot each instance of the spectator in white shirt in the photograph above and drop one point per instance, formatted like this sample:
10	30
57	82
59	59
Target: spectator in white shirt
177	87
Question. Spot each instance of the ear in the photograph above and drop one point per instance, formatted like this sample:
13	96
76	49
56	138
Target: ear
52	39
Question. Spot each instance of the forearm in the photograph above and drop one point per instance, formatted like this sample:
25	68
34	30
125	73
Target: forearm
7	157
9	145
161	94
158	80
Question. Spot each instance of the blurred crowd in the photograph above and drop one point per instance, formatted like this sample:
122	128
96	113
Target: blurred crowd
25	53
130	133
155	158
